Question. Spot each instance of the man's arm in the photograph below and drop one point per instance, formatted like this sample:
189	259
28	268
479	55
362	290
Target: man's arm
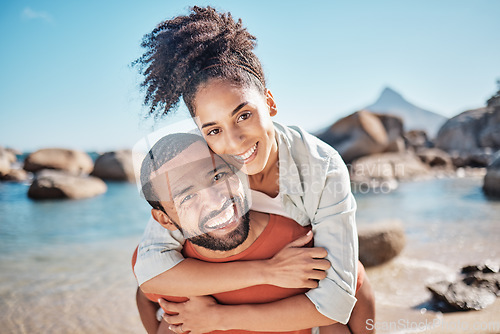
203	314
147	311
292	267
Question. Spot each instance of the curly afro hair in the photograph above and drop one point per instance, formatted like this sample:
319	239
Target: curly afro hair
185	52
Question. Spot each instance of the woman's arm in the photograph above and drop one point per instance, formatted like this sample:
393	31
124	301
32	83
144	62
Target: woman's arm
203	314
292	267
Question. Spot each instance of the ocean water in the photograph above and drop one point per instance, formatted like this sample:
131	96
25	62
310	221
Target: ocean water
65	265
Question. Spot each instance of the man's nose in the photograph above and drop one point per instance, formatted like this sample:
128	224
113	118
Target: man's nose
215	197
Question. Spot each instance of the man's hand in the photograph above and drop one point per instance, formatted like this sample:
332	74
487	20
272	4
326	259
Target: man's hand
296	266
197	315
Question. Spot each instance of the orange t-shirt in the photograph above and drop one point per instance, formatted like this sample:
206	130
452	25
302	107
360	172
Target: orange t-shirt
279	232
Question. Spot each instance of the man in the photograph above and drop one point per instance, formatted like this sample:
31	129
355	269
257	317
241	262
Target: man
198	194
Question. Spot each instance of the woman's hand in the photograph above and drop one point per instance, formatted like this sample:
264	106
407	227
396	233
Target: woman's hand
296	266
197	315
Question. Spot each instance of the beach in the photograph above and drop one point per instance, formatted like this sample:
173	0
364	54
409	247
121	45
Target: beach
77	278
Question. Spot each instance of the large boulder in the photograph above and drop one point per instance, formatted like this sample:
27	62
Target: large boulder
51	184
72	161
472	136
393	125
383	170
380	242
115	166
491	184
357	135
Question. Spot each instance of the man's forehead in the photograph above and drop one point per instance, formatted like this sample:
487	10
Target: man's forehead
191	156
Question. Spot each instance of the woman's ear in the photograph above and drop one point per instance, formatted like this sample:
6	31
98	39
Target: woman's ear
271	103
163	219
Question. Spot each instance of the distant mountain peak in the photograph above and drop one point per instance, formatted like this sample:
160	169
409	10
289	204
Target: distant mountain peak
390	96
391	102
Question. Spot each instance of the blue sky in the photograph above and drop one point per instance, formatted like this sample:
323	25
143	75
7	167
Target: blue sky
65	79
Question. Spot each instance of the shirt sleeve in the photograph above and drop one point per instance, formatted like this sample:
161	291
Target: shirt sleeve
334	229
159	250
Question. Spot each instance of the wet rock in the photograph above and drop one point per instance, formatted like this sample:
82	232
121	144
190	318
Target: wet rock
491	182
51	184
379	243
359	134
115	166
461	296
72	161
475	289
488	267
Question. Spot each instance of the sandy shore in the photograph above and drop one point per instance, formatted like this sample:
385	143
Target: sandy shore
89	288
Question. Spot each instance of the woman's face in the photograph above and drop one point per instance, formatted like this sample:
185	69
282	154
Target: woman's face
237	121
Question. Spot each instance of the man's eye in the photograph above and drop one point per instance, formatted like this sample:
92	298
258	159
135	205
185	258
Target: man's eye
213	132
220	176
187	198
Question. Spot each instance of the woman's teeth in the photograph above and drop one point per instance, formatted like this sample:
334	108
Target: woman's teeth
248	153
222	219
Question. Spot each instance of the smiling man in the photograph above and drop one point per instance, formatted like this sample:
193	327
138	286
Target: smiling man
199	194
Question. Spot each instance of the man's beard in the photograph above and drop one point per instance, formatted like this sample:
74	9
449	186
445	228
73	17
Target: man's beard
231	240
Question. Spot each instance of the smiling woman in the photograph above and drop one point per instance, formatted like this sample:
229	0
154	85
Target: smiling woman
207	59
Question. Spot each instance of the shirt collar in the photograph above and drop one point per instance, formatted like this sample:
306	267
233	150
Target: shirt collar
289	179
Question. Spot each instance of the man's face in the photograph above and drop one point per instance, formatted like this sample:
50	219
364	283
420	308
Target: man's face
205	199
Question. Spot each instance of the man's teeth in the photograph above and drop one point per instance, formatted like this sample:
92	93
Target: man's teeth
248	153
222	219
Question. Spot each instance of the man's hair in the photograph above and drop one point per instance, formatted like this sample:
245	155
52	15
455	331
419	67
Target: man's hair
185	52
163	151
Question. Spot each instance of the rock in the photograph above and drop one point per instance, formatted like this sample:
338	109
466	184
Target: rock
52	184
462	296
476	288
417	139
471	136
379	243
4	162
488	267
434	157
116	166
16	175
393	125
357	135
383	170
72	161
491	181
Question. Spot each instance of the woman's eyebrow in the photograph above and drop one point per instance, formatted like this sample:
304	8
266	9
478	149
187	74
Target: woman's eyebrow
238	108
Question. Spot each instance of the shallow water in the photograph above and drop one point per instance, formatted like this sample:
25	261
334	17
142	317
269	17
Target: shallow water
65	265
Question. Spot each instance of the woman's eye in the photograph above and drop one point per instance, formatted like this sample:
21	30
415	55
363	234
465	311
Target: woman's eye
213	132
244	116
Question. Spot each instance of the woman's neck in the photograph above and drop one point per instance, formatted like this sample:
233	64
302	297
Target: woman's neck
267	181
